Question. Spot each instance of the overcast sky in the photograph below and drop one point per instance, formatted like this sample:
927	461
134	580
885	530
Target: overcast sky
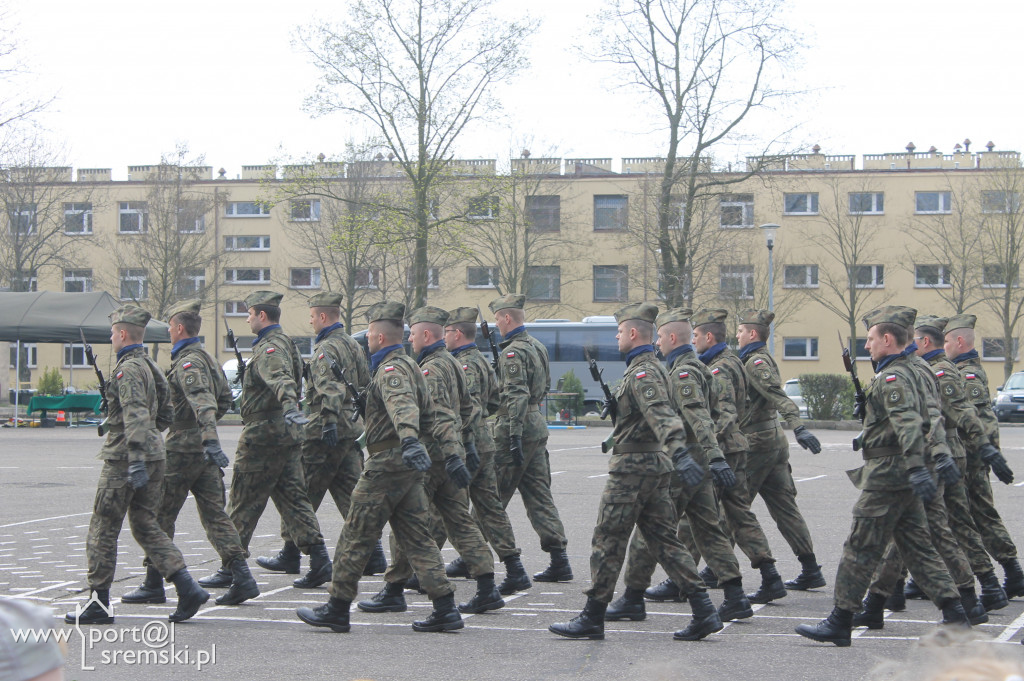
133	79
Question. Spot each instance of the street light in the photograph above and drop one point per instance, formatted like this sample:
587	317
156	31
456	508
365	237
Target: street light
769	237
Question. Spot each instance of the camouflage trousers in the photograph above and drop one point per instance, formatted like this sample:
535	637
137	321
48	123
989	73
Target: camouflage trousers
533	480
329	469
696	511
115	498
962	523
379	498
878	517
488	511
770	475
983	508
643	501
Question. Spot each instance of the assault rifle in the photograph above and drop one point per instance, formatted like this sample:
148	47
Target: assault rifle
611	406
358	399
861	398
91	360
240	371
486	330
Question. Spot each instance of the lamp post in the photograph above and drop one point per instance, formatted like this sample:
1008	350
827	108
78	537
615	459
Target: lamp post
769	236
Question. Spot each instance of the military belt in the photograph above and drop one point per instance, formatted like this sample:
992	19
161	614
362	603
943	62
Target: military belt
636	447
881	452
268	415
503	411
757	426
179	427
382	445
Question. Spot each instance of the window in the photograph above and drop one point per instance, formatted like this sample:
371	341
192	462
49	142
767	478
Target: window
610	212
247	243
78	218
481	277
545	283
191	283
133	217
31	355
800	276
994	349
433	279
544	213
800	348
304	277
736	281
611	283
191	217
1000	202
368	278
23	218
483	208
861	352
247	275
77	281
867	203
869	276
304	344
305	210
235	308
246	209
737	210
800	204
996	276
74	356
933	202
25	282
134	285
244	344
931	276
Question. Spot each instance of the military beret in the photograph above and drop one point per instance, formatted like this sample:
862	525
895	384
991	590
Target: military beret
646	312
512	300
263	298
428	314
184	306
676	314
709	316
755	316
961	321
927	321
326	299
460	315
386	310
130	314
891	314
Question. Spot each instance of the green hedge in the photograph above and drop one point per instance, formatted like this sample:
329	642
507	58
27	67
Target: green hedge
829	397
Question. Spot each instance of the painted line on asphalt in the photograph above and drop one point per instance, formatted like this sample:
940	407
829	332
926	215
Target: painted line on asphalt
1011	629
45	588
603	475
816	477
43	520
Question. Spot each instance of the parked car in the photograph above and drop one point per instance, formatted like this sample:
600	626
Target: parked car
792	389
1009	401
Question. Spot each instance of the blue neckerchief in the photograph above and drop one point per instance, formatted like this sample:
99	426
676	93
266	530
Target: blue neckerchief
459	349
377	357
515	331
747	349
184	342
429	350
910	349
638	350
886	361
323	332
970	354
712	352
929	355
263	332
681	350
126	349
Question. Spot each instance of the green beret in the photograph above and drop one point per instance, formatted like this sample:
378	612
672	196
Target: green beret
709	316
891	314
326	299
428	314
755	316
184	306
130	314
927	321
463	315
388	310
263	298
512	300
961	321
646	312
676	314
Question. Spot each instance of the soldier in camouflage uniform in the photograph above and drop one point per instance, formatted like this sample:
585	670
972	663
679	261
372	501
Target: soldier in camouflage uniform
331	459
768	471
200	396
894	483
637	492
959	347
399	414
267	463
693	393
521	433
138	408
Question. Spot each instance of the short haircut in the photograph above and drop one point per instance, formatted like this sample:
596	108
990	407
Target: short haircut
931	334
273	312
964	332
133	332
333	312
716	329
192	321
897	331
390	329
645	330
681	328
436	330
468	329
517	315
761	329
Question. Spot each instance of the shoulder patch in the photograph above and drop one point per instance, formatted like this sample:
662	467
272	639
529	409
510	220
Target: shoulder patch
890	378
684	374
394	381
940	373
465	367
426	372
641	374
270	350
970	377
714	372
510	355
758	362
321	356
391	368
119	374
186	365
649	392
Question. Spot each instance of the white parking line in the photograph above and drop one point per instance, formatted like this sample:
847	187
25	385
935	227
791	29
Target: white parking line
816	477
43	520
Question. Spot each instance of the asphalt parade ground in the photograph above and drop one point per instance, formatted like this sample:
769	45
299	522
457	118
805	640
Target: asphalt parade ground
47	484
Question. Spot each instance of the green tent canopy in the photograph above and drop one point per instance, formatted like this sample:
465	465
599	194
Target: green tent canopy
51	317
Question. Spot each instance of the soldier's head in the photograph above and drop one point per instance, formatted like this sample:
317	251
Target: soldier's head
674	329
385	325
324	310
508	312
184	320
636	325
960	334
708	328
127	326
928	333
754	326
461	328
426	326
887	330
264	309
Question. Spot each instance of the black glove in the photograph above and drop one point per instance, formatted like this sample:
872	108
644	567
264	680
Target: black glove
946	468
991	456
457	471
806	439
472	456
689	470
860	409
214	453
607	408
414	454
515	446
137	476
329	436
295	417
722	473
921	481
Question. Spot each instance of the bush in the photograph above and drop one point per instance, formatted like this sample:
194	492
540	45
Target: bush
829	397
50	382
570	384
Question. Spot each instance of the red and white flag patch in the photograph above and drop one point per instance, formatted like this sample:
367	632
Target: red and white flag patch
426	372
119	374
270	350
321	356
890	379
510	355
940	373
386	369
186	365
714	372
758	362
641	374
685	374
970	377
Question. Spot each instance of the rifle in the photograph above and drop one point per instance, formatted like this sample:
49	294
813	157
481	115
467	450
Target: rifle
240	371
91	359
851	368
612	408
486	330
358	399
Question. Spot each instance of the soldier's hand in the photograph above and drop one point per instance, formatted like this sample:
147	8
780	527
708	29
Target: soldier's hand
806	439
457	471
137	476
515	447
414	454
991	456
722	473
947	469
295	417
689	470
472	456
329	436
214	454
922	483
860	410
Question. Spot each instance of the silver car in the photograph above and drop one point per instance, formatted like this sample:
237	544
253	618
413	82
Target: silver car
1009	401
792	389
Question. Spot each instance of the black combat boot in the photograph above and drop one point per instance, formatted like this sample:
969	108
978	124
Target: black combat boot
558	571
150	591
516	578
833	629
286	560
243	586
1013	585
628	606
705	618
709	577
587	624
953	614
221	579
413	584
735	606
191	596
97	612
897	602
457	568
976	613
772	588
445	616
319	569
810	576
992	595
912	590
666	591
389	599
333	614
486	597
378	563
872	616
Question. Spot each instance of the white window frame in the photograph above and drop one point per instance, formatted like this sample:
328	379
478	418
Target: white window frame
620	212
492	277
231	243
78	276
551	275
1001	357
810	346
137	275
231	276
372	277
745	202
1010	201
244	344
746	276
196	278
32	279
877	203
942	272
304	345
231	209
810	276
876	280
235	308
433	279
75	350
308	209
608	274
138	211
23	219
73	211
944	200
314	277
32	353
552	215
486	207
810	200
984	277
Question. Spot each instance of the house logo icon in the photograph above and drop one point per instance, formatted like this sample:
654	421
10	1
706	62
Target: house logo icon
86	642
